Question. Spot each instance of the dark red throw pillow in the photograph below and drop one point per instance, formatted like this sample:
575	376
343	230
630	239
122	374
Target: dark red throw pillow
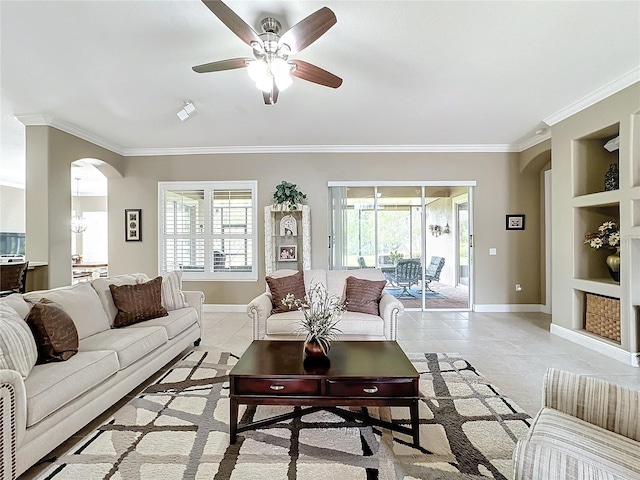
364	295
282	286
55	333
137	303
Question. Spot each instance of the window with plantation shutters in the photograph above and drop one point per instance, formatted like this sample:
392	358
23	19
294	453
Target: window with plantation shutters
208	230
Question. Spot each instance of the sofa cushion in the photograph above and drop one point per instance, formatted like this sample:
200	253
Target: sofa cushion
172	296
54	332
352	323
16	302
17	347
137	303
364	295
130	344
282	286
82	304
337	279
53	385
101	286
175	323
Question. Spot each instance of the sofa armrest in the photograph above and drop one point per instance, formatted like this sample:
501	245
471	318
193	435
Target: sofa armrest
195	300
559	446
390	309
259	309
596	401
13	420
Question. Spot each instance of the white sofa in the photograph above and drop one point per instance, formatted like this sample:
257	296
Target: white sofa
354	325
58	399
588	429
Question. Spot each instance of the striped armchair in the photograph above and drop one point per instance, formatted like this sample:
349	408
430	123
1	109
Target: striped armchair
588	429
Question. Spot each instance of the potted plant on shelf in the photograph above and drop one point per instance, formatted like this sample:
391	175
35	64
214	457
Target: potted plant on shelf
322	312
288	195
607	236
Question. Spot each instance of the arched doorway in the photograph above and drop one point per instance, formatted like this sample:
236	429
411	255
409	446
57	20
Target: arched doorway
89	225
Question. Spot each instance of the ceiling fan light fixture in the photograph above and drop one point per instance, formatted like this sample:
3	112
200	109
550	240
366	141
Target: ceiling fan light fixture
265	83
283	82
257	70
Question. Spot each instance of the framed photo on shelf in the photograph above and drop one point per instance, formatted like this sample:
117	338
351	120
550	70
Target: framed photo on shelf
515	222
132	224
288	253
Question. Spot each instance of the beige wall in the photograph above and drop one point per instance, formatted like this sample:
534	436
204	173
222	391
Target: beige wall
501	189
12	217
50	153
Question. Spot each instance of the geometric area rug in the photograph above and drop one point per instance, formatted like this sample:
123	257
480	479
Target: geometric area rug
178	429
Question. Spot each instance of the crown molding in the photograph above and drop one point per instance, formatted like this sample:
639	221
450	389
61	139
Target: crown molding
601	93
262	149
37	119
532	142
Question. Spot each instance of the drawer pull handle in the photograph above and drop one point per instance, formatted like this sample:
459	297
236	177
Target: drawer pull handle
276	387
370	390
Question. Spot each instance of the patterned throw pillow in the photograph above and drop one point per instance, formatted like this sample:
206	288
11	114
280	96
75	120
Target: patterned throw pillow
136	303
55	333
172	296
18	349
282	286
364	295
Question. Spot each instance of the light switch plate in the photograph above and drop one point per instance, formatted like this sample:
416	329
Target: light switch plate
492	251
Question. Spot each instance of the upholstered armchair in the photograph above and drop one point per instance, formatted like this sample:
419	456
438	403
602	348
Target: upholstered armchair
588	429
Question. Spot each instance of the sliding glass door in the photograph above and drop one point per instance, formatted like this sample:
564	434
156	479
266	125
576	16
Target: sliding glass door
417	234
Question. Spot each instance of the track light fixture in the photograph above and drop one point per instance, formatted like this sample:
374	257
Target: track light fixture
188	111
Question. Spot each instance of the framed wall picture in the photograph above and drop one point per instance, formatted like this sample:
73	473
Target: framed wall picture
288	253
515	222
133	225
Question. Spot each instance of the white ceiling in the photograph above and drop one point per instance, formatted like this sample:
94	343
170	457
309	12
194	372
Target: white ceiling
418	75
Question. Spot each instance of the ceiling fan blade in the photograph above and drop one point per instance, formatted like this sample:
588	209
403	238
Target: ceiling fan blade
307	31
311	73
230	64
233	21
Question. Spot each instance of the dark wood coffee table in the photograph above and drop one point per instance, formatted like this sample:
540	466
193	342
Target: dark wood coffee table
367	373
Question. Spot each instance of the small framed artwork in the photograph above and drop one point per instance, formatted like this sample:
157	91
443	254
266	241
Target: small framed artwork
515	222
132	225
288	253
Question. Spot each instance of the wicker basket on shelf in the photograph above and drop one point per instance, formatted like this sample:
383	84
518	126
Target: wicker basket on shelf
602	316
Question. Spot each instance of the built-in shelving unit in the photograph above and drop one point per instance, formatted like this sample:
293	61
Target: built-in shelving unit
287	237
591	205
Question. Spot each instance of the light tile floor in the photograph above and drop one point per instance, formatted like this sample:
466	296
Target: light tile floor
512	350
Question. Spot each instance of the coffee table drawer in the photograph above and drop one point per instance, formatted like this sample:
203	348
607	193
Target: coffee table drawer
285	386
371	388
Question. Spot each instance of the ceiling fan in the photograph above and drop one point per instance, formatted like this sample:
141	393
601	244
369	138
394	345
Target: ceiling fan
271	69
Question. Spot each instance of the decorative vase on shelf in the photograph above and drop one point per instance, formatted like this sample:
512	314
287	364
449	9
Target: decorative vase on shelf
611	178
613	264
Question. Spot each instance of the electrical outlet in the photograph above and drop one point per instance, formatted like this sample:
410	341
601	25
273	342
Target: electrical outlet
518	287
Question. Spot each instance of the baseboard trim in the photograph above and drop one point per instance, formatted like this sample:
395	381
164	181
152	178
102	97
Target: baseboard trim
508	308
217	307
599	346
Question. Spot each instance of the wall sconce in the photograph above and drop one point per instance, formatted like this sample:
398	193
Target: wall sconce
436	230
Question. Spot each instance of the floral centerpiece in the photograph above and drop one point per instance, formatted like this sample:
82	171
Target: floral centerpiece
607	236
322	312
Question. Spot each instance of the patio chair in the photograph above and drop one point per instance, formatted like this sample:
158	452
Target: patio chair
433	272
13	278
408	272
